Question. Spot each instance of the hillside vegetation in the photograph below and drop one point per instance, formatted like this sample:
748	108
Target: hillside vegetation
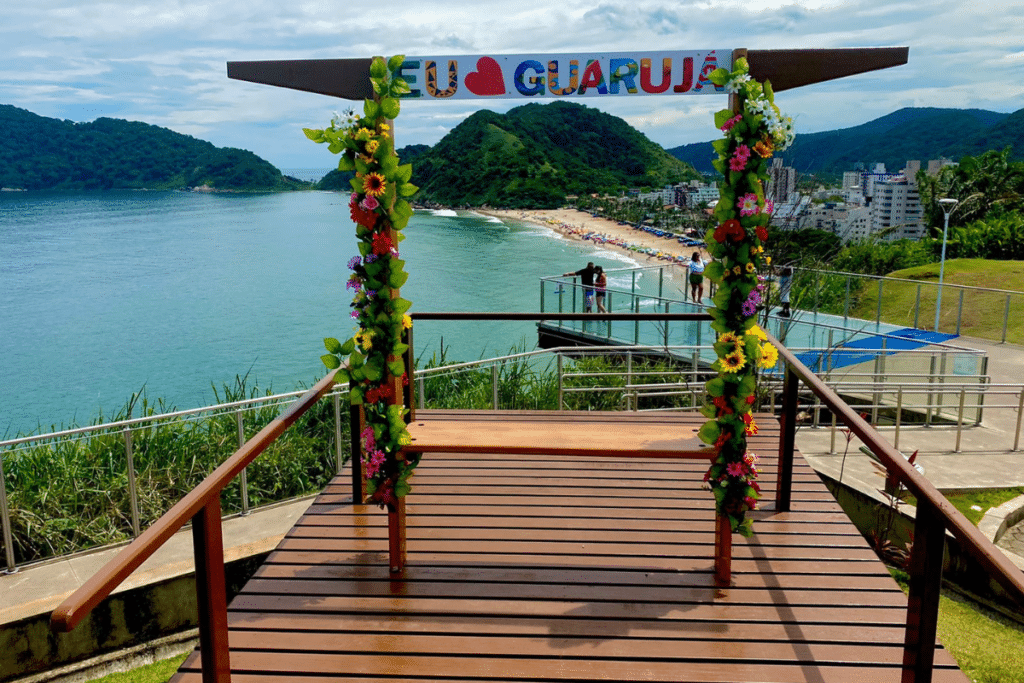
535	155
913	133
40	153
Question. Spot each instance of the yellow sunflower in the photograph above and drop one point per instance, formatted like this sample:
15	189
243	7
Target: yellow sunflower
733	362
728	338
374	184
769	355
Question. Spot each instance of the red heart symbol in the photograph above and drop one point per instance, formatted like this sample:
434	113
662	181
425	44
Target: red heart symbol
487	79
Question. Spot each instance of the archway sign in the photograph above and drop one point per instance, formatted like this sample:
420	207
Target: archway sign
573	75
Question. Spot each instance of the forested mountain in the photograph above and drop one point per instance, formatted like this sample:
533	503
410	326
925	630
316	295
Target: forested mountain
535	155
920	133
40	153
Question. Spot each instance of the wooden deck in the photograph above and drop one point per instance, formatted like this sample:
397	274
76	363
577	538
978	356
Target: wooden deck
568	568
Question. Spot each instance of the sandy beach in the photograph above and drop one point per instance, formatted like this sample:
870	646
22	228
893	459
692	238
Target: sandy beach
644	247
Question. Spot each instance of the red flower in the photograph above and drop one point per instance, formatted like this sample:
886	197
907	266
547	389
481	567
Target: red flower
362	216
762	233
382	244
730	229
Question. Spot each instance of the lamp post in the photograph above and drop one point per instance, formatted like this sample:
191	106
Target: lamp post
946	204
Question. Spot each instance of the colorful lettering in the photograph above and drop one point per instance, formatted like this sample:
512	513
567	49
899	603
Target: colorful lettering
410	78
615	75
574	77
593	77
453	79
536	83
687	82
645	76
710	64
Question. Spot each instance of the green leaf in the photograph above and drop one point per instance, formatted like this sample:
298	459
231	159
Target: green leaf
397	278
330	361
335	147
378	69
402	489
390	108
314	134
709	432
348	347
404	173
395	63
407	189
357	186
361	167
371	109
719	76
373	371
401	305
721	116
399	350
716	386
332	345
396	367
714	270
355	396
346	163
341	376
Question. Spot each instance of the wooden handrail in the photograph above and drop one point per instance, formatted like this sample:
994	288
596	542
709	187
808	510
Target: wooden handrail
77	606
984	551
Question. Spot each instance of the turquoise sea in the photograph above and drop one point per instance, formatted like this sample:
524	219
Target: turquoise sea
103	294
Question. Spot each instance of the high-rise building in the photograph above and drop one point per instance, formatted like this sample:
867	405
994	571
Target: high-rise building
781	182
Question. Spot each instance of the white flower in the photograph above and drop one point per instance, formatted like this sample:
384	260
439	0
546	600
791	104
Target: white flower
736	83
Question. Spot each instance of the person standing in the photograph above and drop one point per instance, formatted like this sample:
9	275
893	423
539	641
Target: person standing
600	288
785	284
587	280
697	265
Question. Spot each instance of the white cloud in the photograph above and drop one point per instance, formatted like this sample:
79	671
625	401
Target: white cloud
164	63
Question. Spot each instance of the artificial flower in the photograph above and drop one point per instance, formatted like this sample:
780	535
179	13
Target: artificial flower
762	234
738	270
764	148
363	134
372	146
728	338
748	204
406	321
382	244
369	203
734	361
727	126
748	308
751	268
769	355
374	184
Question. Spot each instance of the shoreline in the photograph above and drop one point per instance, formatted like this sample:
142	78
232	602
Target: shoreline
642	247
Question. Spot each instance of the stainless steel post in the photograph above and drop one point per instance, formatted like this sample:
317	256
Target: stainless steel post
899	418
931	392
1020	414
243	478
1006	317
339	454
421	399
636	324
878	311
960	419
960	311
982	380
5	518
917	305
846	304
542	283
666	327
133	491
494	385
561	386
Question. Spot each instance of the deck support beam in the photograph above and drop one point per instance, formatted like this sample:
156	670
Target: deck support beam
396	535
211	593
723	551
923	595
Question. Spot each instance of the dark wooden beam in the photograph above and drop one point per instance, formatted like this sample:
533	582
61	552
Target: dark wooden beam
349	78
345	78
793	68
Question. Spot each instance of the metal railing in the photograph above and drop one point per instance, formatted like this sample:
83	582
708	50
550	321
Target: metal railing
202	506
935	516
127	430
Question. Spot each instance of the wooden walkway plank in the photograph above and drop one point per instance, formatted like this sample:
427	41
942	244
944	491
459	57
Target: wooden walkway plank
571	568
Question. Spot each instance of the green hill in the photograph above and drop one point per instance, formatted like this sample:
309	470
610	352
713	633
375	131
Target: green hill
535	155
913	133
40	153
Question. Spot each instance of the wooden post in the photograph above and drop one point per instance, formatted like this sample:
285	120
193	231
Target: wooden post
396	510
787	441
923	600
357	422
723	551
211	593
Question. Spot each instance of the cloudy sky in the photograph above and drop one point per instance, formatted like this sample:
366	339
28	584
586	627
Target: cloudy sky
165	63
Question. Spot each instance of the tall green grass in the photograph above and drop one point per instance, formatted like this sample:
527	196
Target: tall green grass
72	494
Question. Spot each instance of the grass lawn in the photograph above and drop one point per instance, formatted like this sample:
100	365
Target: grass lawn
157	672
982	313
988	647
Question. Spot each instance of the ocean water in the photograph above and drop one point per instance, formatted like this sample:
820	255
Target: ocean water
106	294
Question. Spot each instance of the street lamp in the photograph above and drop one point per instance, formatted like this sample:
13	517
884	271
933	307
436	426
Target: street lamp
946	204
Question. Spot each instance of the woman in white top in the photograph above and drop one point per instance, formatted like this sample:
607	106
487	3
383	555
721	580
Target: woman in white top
697	277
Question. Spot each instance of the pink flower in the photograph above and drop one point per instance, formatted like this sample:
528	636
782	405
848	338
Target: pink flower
727	126
737	164
751	502
742	152
736	469
748	204
369	203
769	207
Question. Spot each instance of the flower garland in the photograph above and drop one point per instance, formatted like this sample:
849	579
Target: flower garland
374	352
752	136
